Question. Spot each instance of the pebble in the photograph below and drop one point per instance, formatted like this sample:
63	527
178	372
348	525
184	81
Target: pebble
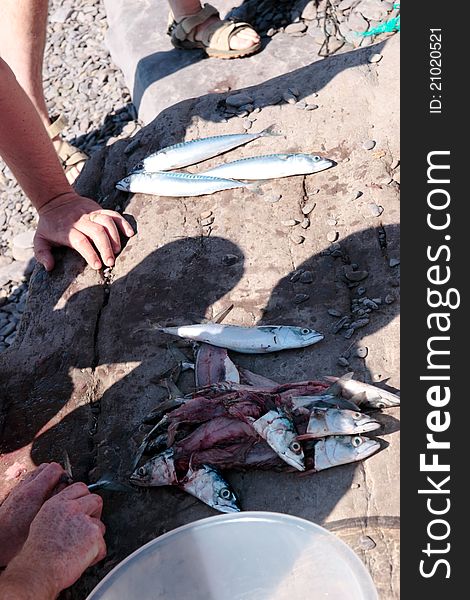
331	222
361	290
206	214
389	299
332	236
299	298
238	100
306	277
207	222
343	362
340	324
61	14
295	28
297	239
375	209
290	223
311	107
362	352
359	323
370	304
368	144
333	312
356	275
247	124
309	12
366	543
289	98
307	208
305	224
357	23
394	262
301	105
357	195
230	259
272	198
349	333
375	58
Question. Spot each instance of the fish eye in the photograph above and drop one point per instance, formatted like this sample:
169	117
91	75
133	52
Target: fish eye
380	405
139	166
295	447
305	331
356	441
357	415
225	494
142	471
316	158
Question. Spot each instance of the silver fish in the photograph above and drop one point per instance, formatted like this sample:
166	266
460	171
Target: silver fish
324	422
190	153
206	484
250	340
280	434
160	470
362	394
271	166
176	185
342	449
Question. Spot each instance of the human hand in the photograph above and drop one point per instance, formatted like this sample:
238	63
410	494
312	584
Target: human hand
64	539
22	505
77	222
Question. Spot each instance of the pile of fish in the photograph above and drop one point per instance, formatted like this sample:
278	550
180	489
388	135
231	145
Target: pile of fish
239	420
154	176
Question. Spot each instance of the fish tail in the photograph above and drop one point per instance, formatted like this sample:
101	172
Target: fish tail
269	131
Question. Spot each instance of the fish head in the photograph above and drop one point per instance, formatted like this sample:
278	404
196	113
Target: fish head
293	455
206	484
139	168
349	421
342	449
160	470
279	432
298	337
124	184
379	398
313	162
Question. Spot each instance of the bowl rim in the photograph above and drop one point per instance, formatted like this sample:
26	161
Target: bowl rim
253	516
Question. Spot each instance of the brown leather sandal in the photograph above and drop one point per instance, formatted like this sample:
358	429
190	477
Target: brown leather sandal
72	158
215	38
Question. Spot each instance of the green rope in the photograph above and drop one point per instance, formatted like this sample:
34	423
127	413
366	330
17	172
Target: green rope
389	26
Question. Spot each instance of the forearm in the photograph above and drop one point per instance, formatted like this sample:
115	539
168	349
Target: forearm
18	582
25	145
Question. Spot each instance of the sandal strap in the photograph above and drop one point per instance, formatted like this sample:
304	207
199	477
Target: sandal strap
182	30
218	35
56	126
70	155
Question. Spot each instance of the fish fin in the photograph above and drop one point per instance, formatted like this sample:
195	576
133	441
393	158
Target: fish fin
220	316
336	388
270	131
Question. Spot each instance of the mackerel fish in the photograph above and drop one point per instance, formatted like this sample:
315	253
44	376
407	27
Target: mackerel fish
249	340
176	185
271	166
195	151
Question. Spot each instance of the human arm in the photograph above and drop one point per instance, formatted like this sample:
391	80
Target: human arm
65	218
64	539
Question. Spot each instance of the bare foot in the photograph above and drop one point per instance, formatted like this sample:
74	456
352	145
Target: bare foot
22	505
243	39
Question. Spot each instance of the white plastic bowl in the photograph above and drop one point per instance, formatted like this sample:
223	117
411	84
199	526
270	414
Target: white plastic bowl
241	556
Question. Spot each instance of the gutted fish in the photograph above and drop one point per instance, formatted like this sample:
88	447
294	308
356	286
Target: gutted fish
213	365
321	401
190	153
250	340
362	394
176	184
342	449
208	485
271	166
279	432
324	422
